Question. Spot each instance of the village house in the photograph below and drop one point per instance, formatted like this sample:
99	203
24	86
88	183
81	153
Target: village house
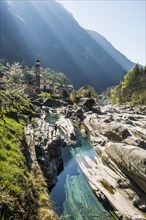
44	83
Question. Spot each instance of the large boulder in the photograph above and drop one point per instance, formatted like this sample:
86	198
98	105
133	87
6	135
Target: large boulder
130	159
118	136
49	158
68	113
79	112
66	126
115	132
47	144
51	103
87	103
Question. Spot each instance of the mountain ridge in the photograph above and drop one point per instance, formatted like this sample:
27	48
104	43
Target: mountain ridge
107	45
46	30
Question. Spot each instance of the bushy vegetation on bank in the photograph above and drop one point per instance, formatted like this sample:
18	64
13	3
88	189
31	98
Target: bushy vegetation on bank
131	89
84	92
23	191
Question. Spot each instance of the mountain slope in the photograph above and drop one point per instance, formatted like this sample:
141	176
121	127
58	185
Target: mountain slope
46	30
12	44
107	46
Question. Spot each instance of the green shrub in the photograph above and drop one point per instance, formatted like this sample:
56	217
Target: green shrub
45	95
87	91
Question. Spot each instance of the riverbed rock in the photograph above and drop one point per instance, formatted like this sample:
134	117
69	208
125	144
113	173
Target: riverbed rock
119	138
49	158
51	103
47	144
87	103
68	113
79	112
115	132
67	127
131	160
137	202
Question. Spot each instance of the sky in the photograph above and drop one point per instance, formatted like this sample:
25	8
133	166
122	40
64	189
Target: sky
121	22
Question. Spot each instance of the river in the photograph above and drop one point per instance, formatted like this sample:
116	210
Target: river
72	196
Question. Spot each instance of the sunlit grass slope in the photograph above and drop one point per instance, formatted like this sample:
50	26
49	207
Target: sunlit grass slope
23	191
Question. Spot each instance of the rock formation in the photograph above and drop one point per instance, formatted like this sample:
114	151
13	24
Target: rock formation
120	172
67	127
87	103
46	144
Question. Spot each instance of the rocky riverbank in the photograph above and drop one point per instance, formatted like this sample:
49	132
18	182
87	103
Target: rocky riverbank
46	142
46	145
118	134
118	173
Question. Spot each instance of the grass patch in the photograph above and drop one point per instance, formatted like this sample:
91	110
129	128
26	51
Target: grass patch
14	177
45	95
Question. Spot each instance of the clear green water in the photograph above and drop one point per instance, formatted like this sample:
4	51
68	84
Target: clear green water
73	198
52	118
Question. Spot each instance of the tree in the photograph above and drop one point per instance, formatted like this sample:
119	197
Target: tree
132	88
28	75
73	96
14	74
13	79
87	91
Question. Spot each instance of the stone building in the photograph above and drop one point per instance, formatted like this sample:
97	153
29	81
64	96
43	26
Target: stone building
44	83
37	72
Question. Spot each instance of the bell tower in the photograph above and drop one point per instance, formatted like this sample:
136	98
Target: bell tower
37	72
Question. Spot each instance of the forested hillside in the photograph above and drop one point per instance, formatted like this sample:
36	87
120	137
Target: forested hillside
132	89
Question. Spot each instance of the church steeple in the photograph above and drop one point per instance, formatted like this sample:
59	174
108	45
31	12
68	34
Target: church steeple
37	71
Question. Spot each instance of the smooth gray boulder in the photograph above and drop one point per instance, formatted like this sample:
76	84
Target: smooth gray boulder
130	159
118	135
66	126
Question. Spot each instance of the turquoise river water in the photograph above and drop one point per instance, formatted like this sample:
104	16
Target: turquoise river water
72	196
